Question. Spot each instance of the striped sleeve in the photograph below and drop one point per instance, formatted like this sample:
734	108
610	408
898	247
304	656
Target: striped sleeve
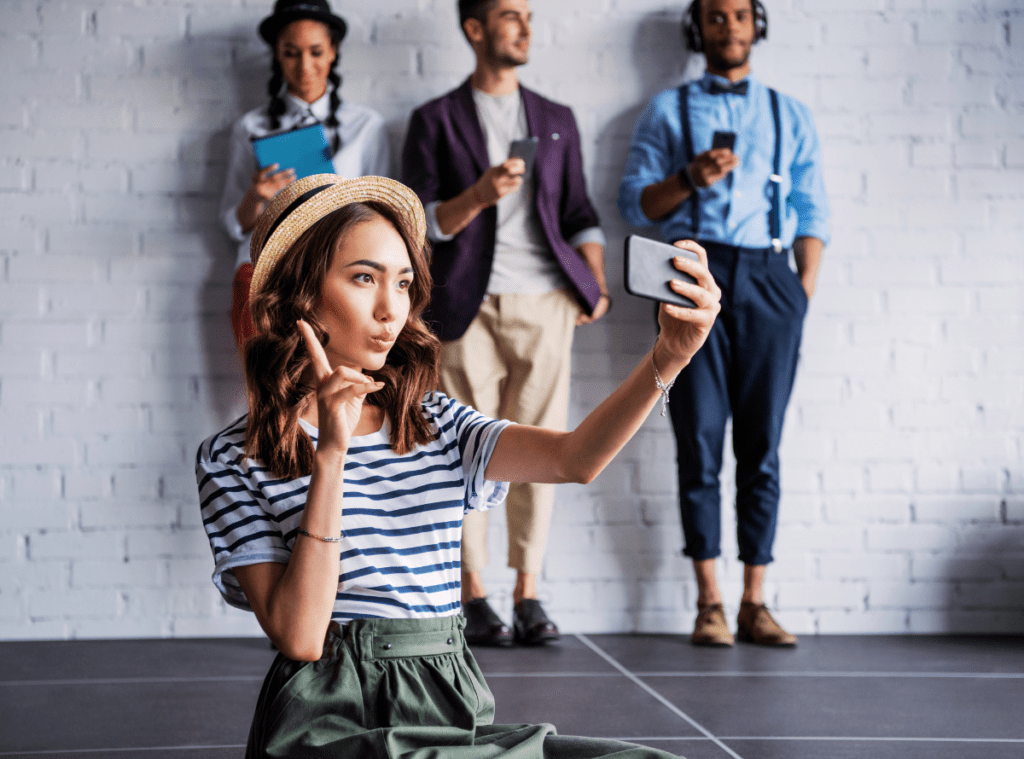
476	436
241	529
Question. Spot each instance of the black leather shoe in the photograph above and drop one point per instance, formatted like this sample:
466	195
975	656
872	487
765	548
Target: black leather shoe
483	626
531	625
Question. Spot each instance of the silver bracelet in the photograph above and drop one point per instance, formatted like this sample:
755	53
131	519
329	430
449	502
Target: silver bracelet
660	383
338	540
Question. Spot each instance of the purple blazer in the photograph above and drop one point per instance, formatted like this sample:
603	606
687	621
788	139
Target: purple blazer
445	153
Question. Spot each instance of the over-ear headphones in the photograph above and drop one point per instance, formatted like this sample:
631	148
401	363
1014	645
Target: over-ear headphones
691	25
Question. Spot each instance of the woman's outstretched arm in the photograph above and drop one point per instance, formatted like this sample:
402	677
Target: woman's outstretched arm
534	454
293	602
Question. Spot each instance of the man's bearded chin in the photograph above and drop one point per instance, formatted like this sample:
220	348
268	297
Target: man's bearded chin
510	61
506	59
725	62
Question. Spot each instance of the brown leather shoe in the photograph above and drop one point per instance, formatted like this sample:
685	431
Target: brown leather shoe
711	629
754	624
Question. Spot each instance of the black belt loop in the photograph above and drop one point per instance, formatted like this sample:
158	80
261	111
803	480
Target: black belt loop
776	177
684	117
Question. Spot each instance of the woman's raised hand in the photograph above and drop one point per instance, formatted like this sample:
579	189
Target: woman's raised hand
267	182
339	395
684	330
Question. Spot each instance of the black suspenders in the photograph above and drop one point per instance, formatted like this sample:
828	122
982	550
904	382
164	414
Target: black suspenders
775	215
684	117
776	177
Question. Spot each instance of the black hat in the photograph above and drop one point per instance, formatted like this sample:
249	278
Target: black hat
286	11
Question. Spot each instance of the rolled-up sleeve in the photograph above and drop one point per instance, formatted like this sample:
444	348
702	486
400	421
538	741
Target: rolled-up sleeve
653	154
241	530
590	234
434	233
476	436
807	195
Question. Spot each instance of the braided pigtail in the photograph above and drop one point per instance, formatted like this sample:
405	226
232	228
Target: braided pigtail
277	105
335	79
332	118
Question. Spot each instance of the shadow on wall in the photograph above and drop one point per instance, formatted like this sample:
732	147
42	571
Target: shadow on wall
190	261
659	61
984	579
224	95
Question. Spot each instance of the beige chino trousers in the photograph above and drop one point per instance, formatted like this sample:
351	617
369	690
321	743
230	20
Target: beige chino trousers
514	363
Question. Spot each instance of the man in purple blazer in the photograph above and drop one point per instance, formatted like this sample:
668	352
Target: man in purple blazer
518	263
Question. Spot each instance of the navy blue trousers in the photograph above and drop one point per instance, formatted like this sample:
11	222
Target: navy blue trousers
746	370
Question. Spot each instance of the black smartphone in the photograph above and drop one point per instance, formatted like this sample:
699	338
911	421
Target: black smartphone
649	268
723	140
527	150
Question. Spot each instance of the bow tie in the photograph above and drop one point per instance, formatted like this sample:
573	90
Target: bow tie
739	88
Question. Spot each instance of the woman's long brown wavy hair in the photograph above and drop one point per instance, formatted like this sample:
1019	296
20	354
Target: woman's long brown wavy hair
277	364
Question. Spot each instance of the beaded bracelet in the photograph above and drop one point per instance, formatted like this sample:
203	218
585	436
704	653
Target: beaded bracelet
331	540
659	382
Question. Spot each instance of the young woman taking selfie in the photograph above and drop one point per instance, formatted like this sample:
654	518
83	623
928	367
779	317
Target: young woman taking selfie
334	507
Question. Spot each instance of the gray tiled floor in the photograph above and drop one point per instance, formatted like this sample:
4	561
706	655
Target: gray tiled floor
835	697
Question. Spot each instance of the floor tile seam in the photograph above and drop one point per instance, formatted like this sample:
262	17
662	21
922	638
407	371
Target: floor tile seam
657	696
633	738
253	678
490	675
568	674
44	752
866	738
869	674
134	680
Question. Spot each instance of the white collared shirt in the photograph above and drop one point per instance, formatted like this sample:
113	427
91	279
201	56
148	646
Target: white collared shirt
364	151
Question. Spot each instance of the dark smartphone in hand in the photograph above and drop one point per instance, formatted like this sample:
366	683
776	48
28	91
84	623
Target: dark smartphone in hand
649	268
527	150
723	140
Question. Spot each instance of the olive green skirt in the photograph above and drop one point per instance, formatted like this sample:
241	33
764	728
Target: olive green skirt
388	688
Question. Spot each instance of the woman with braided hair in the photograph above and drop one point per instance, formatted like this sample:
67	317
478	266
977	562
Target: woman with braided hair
304	89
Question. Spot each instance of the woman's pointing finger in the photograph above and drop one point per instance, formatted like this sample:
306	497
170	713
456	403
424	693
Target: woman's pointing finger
321	366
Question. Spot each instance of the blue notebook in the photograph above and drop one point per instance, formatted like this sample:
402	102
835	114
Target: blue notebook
305	150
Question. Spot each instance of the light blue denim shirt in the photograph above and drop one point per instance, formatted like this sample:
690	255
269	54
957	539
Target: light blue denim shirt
736	209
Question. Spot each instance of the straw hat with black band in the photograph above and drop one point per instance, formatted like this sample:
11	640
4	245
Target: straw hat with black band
302	204
286	11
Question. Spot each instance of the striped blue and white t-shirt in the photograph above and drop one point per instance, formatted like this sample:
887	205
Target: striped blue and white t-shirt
401	515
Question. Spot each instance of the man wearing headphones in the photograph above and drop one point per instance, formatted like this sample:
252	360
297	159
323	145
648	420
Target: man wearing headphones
729	162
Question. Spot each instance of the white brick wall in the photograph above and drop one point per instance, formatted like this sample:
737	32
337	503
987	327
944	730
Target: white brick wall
903	504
